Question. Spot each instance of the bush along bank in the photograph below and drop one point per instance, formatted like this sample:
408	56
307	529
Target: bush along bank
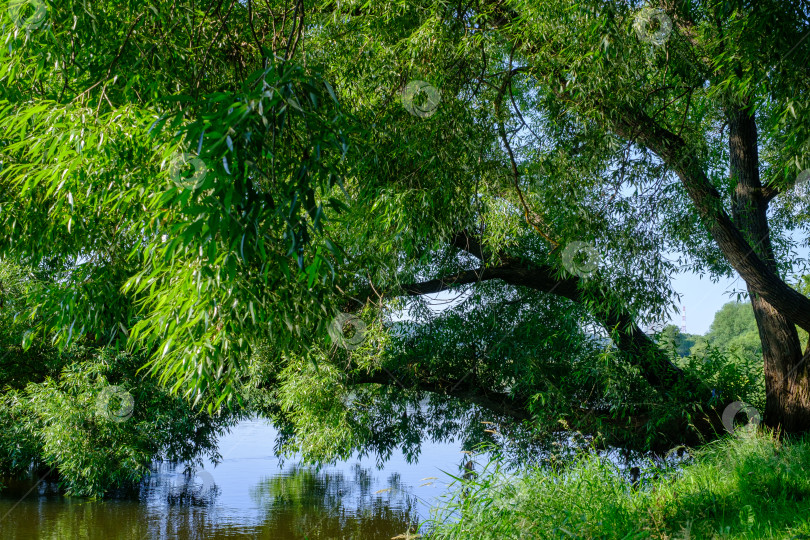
752	484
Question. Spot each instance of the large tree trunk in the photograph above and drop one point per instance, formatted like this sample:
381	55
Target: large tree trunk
786	374
745	242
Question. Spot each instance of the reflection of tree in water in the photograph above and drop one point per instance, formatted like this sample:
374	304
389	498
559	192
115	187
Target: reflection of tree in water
181	501
176	484
306	503
192	490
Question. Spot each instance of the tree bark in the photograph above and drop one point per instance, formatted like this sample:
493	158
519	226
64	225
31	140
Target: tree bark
786	373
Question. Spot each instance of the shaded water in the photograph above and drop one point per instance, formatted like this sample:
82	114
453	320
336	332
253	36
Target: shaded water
249	494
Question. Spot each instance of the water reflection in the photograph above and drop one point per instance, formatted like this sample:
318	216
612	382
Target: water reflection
252	494
249	494
308	504
299	503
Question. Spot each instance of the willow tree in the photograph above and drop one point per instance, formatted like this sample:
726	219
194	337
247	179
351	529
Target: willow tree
166	178
716	93
639	130
212	180
448	198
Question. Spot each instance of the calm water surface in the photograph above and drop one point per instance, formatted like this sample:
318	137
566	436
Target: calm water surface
249	494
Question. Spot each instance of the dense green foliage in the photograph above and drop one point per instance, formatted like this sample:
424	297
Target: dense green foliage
728	358
138	184
732	375
747	486
56	426
207	184
671	338
734	328
84	415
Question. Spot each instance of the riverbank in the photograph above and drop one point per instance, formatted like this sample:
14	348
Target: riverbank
747	485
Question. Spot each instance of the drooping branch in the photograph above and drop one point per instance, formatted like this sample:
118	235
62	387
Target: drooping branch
468	390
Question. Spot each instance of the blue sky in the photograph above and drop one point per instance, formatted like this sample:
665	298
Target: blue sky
703	299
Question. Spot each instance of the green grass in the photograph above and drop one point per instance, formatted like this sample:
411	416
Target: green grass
742	486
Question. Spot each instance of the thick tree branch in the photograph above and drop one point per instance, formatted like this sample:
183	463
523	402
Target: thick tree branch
448	282
468	242
759	275
629	338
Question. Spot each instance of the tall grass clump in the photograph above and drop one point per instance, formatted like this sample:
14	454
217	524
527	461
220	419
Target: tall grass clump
749	485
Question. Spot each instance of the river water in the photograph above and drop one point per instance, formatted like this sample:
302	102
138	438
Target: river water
249	494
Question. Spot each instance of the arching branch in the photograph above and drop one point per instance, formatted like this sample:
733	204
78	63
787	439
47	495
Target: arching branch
636	345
